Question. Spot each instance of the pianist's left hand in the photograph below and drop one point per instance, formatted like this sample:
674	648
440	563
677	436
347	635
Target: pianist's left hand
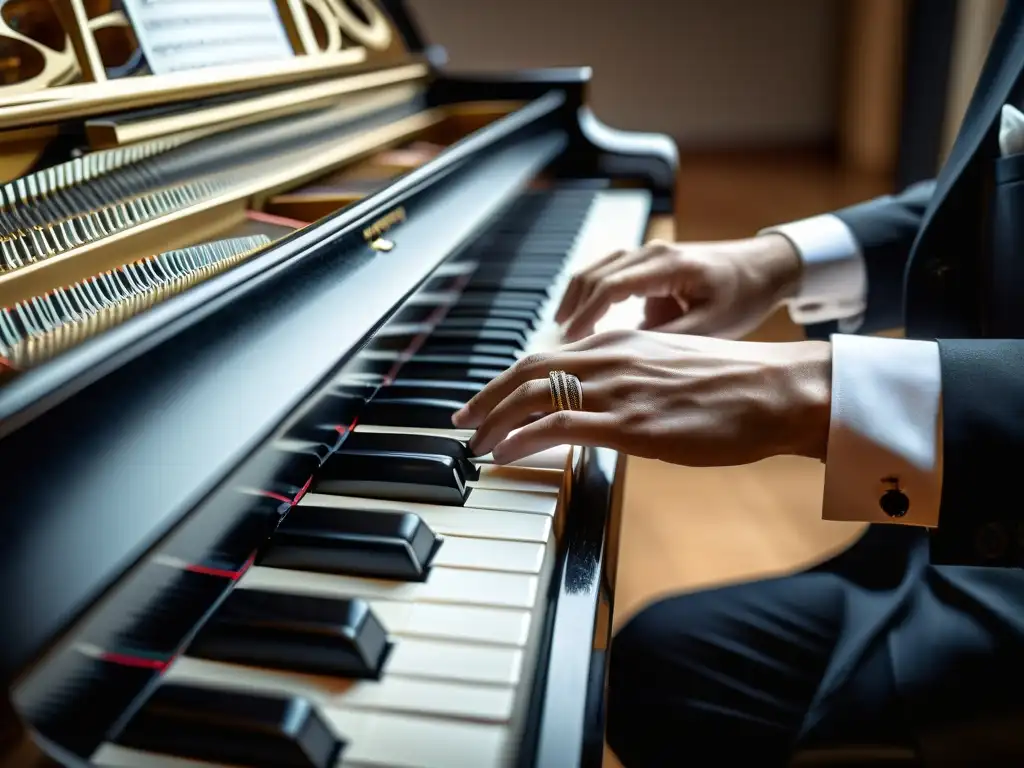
689	400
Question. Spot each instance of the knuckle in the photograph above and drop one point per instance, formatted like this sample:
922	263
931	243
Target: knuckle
561	421
531	362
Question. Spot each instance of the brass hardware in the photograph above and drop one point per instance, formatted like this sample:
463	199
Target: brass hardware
382	244
383	224
75	21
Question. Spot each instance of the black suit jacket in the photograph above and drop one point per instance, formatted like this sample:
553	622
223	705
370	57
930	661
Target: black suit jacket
945	259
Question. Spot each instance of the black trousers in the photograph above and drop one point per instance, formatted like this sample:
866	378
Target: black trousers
733	673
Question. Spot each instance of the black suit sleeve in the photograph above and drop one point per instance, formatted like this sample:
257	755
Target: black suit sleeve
885	229
981	518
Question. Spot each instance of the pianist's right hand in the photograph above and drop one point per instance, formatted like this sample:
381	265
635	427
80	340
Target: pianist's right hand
720	289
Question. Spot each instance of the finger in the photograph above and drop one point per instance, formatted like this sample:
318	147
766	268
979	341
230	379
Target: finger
535	366
601	273
528	398
584	428
646	279
696	322
575	291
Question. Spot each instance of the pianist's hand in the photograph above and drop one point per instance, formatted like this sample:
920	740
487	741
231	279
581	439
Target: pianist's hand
689	400
715	289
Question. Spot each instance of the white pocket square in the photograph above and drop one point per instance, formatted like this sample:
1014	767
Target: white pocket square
1011	131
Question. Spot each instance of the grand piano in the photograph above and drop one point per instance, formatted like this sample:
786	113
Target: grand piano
238	305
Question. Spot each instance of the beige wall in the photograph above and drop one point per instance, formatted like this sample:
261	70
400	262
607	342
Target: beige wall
709	72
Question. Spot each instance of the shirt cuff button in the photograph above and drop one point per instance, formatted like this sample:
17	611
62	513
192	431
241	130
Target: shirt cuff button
894	503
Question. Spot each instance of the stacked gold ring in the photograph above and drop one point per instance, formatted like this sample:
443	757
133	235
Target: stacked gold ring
566	391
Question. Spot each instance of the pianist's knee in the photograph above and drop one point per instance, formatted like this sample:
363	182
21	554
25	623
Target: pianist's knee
724	673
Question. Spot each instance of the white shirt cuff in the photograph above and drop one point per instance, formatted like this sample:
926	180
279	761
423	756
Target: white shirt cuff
886	430
834	282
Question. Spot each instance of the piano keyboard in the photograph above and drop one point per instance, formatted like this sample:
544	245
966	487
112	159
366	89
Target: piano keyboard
394	617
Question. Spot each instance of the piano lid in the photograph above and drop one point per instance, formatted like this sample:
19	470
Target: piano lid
69	59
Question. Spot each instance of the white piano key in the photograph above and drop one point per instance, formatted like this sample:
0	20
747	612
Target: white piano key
397	741
373	740
490	555
460	662
500	478
392	693
513	501
459	434
443	585
114	756
450	521
551	458
404	329
500	626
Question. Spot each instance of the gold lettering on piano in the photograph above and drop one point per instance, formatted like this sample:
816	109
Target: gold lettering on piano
372	234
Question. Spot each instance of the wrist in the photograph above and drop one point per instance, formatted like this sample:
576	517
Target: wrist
779	264
810	414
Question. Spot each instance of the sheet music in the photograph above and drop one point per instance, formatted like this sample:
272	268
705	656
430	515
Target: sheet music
178	35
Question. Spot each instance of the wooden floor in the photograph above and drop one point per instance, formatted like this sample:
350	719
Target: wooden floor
685	529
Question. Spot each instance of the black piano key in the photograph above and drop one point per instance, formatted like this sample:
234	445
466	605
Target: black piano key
294	468
446	359
227	541
427	478
424	444
432	389
462	347
452	331
330	416
415	370
317	635
241	728
529	315
354	542
391	343
467	361
531	269
480	325
410	412
74	700
161	606
509	300
540	294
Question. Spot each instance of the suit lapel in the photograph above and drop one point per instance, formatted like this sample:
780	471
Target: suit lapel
1001	71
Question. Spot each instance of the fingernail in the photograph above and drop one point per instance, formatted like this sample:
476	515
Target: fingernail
461	417
497	454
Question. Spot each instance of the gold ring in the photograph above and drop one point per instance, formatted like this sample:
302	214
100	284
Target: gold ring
566	391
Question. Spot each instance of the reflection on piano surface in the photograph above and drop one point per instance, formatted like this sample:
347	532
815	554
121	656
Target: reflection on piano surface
238	306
